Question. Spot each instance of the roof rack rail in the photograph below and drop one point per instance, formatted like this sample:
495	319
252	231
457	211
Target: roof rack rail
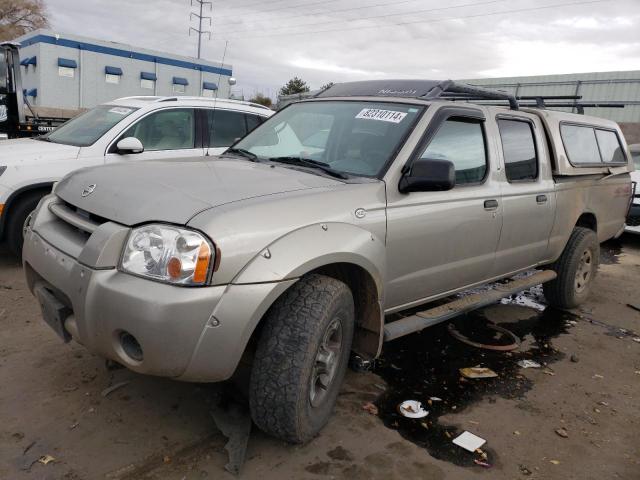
423	89
211	99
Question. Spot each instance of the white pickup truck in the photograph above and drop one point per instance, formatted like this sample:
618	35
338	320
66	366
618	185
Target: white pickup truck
123	130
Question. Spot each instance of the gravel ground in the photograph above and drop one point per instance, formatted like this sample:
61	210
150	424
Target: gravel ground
52	402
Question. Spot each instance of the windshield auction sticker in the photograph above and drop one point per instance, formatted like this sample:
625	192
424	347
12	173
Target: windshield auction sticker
381	115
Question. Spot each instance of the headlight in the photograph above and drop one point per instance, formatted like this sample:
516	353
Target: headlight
168	254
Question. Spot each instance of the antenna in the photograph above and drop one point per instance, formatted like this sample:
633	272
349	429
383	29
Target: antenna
224	54
200	17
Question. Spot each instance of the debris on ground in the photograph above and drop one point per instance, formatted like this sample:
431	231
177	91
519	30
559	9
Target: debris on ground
562	432
525	470
634	307
46	459
234	421
412	409
435	399
113	388
469	441
515	341
555	462
477	372
549	372
371	408
482	463
574	358
529	364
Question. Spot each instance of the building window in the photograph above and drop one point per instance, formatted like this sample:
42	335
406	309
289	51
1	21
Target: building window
66	72
111	78
148	84
180	85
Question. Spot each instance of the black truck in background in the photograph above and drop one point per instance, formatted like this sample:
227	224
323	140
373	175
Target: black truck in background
14	122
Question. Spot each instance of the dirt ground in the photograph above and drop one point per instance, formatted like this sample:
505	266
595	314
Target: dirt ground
52	402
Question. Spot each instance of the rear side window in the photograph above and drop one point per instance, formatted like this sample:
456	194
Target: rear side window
589	145
580	143
252	122
519	149
610	148
225	127
461	141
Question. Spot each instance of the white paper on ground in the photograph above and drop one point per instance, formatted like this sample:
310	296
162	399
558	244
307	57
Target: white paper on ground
469	441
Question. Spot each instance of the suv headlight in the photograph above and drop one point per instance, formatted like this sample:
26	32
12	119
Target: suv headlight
168	254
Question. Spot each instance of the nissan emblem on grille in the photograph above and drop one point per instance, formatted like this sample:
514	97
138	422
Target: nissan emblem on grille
88	190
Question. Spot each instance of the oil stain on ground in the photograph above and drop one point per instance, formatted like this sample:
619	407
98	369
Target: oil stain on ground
426	364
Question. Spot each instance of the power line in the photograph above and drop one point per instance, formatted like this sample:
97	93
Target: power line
279	8
413	12
520	10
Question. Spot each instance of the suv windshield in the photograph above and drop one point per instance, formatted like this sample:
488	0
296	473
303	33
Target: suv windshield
353	137
85	129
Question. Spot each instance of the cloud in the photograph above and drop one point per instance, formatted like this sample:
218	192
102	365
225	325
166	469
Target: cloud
337	40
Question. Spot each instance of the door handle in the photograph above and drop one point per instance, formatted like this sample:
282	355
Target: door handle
490	204
541	198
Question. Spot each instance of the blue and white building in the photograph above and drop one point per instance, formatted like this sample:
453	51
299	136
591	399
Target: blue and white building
69	72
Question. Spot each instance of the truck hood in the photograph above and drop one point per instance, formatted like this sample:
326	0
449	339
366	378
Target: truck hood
27	151
174	191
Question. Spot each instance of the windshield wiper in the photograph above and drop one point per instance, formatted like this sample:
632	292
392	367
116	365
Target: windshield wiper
241	152
307	162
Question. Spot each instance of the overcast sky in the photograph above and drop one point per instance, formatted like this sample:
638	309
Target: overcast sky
339	40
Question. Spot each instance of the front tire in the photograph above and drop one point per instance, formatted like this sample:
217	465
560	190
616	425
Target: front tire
576	269
301	358
17	218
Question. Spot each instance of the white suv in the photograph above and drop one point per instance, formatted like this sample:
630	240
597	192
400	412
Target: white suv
124	130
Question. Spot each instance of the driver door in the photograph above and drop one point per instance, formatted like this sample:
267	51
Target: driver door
166	133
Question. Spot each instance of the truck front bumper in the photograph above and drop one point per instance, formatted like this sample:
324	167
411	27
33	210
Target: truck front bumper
192	334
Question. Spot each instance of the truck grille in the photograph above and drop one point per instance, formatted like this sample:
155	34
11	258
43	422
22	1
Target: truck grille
83	221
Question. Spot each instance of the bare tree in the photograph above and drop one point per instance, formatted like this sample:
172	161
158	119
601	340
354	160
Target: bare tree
18	17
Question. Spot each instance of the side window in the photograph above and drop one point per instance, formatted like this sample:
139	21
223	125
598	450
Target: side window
580	144
165	130
225	127
519	150
252	122
460	141
610	149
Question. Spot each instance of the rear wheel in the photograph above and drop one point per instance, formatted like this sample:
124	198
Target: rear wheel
576	269
301	358
17	219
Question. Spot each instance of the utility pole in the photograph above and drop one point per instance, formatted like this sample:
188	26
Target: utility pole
200	17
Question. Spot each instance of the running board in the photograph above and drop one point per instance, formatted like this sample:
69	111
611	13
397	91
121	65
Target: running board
442	313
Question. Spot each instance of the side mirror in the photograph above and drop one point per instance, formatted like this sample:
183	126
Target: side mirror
429	175
129	145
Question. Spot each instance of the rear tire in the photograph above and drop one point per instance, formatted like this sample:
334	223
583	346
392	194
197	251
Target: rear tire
17	218
576	269
301	358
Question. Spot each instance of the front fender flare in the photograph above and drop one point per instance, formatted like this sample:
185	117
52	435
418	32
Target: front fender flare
311	247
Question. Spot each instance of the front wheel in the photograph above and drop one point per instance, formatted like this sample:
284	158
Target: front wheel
17	219
301	358
576	269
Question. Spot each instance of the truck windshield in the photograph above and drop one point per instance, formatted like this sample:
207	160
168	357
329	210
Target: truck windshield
352	137
86	129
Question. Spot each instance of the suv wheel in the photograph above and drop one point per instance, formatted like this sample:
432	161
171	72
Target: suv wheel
576	269
17	219
301	358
